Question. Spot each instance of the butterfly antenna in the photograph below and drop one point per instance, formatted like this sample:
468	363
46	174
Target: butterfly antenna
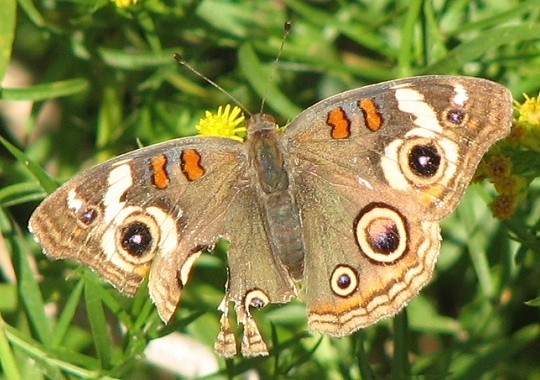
286	30
183	62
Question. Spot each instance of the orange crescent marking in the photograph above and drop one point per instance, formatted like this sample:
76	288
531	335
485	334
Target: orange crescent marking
339	307
142	270
191	164
372	116
160	177
431	194
358	301
341	126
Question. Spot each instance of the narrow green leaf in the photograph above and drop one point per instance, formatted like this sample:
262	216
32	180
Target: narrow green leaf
151	34
98	323
476	242
54	361
534	302
7	359
477	47
401	368
120	59
44	179
32	12
258	76
67	314
362	357
407	43
434	40
500	351
224	16
28	287
498	18
8	17
9	300
357	29
20	193
45	91
109	118
305	357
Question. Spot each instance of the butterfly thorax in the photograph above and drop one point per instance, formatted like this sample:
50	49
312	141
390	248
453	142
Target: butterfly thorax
268	160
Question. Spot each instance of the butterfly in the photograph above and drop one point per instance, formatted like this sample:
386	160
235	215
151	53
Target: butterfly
346	200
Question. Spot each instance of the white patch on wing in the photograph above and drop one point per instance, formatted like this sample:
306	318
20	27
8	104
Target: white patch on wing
186	268
413	102
168	234
120	179
390	165
461	96
365	182
73	202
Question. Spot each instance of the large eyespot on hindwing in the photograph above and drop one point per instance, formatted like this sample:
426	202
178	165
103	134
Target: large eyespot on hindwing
382	233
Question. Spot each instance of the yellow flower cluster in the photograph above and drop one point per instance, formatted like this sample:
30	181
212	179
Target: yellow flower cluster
510	186
499	168
226	123
124	3
526	130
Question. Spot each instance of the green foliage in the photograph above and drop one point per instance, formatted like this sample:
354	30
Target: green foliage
103	78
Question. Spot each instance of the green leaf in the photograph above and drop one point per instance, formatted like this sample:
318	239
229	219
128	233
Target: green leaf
98	323
478	47
29	291
534	302
45	91
44	179
259	78
7	359
68	314
20	193
136	61
8	17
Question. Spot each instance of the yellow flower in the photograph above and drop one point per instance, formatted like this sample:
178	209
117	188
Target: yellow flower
513	184
529	122
529	111
518	134
504	206
226	123
124	3
498	167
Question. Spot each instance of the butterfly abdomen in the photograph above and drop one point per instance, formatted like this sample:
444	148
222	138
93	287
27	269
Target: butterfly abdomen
278	206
